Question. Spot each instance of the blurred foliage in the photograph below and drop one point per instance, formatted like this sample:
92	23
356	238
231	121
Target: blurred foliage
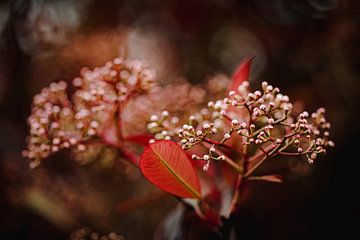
310	48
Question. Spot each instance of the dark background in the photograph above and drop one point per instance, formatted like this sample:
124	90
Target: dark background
309	48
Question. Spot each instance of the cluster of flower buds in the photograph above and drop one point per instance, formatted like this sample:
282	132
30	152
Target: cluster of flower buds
87	233
57	123
101	92
263	119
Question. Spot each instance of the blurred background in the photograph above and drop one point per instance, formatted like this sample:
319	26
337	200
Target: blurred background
308	48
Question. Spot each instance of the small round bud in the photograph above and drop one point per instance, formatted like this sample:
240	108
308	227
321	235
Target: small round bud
91	132
234	122
262	107
212	149
264	84
154	118
258	141
56	141
165	114
72	141
94	124
269	88
185	127
331	144
222	157
257	94
206	167
206	126
223	113
194	157
232	93
81	147
278	141
152	141
206	157
211	104
227	136
54	148
199	133
213	130
271	121
261	101
300	150
243	125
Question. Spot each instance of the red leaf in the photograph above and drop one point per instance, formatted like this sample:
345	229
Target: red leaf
241	74
140	139
167	166
269	178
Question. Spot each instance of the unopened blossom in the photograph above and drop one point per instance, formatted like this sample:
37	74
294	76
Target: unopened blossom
56	122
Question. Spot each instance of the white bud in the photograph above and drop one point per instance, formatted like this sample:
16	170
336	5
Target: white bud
81	147
234	122
206	157
206	126
232	93
269	88
300	150
94	124
56	141
257	93
227	136
165	114
264	84
154	118
152	141
243	125
206	166
91	132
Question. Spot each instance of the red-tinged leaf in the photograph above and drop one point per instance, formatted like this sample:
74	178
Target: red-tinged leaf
241	74
140	139
167	166
269	178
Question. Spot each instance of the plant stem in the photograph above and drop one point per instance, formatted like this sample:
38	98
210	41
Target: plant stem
228	160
